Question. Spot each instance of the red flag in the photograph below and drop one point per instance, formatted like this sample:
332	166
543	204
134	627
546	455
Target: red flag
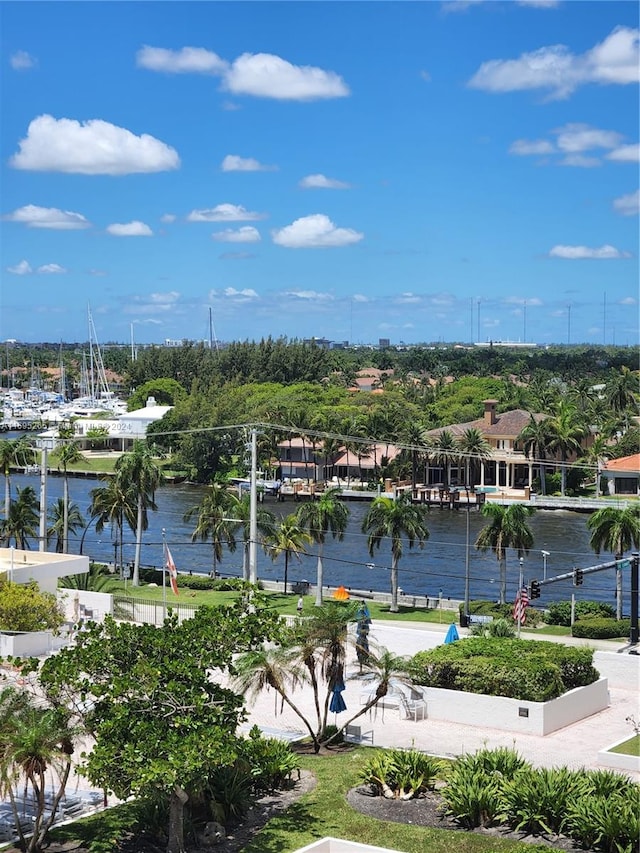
520	606
171	568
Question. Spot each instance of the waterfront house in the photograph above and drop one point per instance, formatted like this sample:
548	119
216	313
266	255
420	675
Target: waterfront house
622	475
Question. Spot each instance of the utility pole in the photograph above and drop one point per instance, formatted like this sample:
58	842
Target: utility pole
253	510
633	632
43	501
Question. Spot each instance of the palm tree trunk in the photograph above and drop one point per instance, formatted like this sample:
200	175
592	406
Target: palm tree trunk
619	557
286	570
319	577
503	580
394	585
65	515
136	562
7	493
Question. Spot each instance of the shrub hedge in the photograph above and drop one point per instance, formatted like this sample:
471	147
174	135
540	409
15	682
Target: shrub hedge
559	612
519	669
595	628
483	607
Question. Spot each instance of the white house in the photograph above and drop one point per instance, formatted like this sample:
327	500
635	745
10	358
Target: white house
623	475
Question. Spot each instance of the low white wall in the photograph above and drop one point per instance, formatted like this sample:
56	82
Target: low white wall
620	670
28	644
82	604
515	715
338	845
618	760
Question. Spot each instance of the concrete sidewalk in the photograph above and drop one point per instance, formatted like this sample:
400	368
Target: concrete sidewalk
574	746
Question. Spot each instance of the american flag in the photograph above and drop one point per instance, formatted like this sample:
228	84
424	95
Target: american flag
520	606
171	568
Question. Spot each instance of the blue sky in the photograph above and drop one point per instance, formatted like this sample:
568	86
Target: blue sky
418	171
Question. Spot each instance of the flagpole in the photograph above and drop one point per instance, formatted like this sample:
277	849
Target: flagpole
520	586
164	575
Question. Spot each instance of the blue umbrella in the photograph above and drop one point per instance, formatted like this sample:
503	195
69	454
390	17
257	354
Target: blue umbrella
452	634
337	702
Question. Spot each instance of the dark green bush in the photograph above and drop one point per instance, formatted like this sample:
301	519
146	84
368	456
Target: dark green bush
521	669
537	801
198	582
482	607
608	823
270	762
559	612
401	773
601	629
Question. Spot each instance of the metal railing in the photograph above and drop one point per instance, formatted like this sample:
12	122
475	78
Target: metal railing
142	610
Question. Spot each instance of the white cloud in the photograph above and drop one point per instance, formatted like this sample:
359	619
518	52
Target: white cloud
224	213
580	161
51	269
129	229
574	253
154	303
627	205
523	300
248	294
408	299
576	137
168	218
21	268
555	68
360	297
233	163
22	61
246	234
625	154
48	217
321	182
539	4
315	232
310	295
188	60
264	75
95	147
524	147
628	300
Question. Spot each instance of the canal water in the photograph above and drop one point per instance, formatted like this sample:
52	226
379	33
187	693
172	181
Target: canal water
438	568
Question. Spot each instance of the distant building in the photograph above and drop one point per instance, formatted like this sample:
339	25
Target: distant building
623	475
384	343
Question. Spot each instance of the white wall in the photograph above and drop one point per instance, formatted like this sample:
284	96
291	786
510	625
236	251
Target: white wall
619	670
499	712
99	603
31	644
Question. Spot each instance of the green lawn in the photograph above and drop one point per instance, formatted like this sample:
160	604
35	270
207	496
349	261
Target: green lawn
322	812
629	747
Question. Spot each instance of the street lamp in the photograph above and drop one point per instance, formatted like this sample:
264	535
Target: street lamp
545	554
466	565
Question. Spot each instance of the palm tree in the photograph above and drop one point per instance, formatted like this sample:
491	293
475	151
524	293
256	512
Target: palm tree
213	522
565	432
444	450
139	471
534	438
396	519
507	529
67	454
325	515
240	508
621	391
615	530
34	740
63	517
12	451
287	538
473	447
112	505
23	519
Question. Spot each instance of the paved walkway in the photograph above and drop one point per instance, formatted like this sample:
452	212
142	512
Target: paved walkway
574	746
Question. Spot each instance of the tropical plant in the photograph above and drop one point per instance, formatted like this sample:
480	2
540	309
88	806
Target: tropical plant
63	517
534	438
240	508
395	519
474	449
112	505
565	431
444	450
537	800
33	741
12	452
508	528
67	454
23	519
139	472
617	531
24	608
214	523
401	773
323	515
288	538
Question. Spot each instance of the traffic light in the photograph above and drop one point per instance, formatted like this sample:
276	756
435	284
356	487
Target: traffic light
577	577
534	591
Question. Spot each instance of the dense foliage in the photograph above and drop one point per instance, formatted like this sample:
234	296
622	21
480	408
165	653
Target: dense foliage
24	608
559	612
597	628
528	670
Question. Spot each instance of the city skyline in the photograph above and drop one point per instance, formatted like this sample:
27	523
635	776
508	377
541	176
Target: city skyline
431	172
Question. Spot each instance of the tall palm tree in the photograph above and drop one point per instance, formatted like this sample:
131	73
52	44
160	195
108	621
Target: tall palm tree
325	515
63	517
565	432
395	519
287	538
113	505
213	522
139	471
508	528
67	454
33	741
621	390
617	531
240	508
534	438
474	448
23	521
12	452
444	450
